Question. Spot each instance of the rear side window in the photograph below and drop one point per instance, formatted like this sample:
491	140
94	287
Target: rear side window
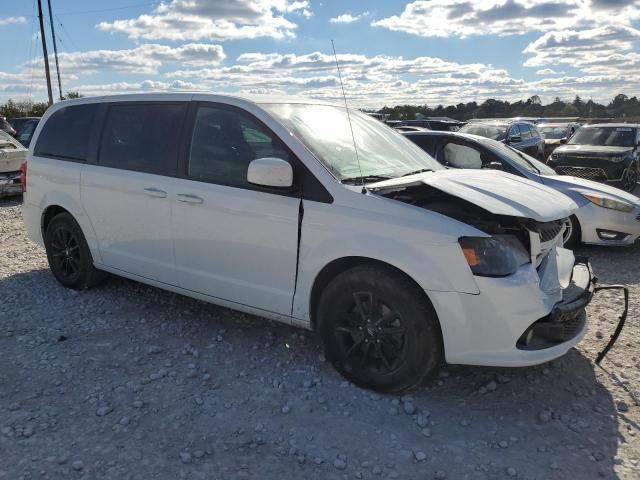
142	137
66	134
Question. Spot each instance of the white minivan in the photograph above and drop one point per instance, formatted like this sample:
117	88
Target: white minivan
276	208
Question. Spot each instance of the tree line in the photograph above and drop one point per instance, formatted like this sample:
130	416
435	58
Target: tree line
620	107
29	108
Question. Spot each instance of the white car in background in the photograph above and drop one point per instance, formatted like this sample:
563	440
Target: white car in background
606	215
266	207
12	156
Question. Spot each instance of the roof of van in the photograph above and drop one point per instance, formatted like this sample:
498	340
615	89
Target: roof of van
257	98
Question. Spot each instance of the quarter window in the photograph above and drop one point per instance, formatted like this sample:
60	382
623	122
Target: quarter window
142	137
223	144
66	133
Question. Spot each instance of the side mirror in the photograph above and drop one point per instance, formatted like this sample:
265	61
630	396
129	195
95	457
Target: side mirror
515	139
563	140
270	172
494	166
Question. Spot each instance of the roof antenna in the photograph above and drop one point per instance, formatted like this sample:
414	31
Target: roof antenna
353	137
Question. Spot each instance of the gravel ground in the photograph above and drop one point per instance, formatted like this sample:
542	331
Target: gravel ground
130	382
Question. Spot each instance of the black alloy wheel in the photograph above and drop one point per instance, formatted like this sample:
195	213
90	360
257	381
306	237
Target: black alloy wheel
379	328
68	254
372	335
65	252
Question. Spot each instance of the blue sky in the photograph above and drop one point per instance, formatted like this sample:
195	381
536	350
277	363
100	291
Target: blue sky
424	51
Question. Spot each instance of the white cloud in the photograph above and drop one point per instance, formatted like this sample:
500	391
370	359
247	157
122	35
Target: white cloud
348	18
464	18
606	50
12	20
370	81
547	71
181	20
143	59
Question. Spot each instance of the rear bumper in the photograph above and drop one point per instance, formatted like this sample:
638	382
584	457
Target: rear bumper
10	184
488	328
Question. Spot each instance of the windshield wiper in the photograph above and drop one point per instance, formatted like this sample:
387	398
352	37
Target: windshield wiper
422	170
365	178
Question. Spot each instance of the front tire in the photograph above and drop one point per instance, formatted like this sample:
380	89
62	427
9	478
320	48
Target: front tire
68	254
379	329
572	233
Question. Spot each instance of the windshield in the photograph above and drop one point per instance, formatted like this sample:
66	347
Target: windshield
520	159
324	129
604	136
554	133
494	132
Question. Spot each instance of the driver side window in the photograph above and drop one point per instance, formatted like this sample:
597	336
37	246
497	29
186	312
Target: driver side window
224	142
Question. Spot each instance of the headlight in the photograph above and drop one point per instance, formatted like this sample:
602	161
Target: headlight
496	256
606	202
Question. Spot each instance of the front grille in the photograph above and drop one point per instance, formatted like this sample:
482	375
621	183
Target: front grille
549	230
588	173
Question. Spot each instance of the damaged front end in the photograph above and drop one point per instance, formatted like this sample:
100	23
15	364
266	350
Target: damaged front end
565	284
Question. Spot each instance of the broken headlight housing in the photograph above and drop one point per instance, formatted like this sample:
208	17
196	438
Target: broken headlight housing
495	256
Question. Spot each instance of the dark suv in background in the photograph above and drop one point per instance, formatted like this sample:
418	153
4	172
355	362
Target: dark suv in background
523	136
608	152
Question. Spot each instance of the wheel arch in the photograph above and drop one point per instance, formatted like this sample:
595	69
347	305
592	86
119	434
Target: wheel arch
54	208
47	215
339	265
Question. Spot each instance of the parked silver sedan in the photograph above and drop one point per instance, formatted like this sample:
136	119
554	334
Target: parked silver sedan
607	215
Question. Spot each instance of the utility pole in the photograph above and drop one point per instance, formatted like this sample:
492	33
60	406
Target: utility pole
55	48
44	51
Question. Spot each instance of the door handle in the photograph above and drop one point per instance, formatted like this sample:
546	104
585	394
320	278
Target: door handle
155	192
189	198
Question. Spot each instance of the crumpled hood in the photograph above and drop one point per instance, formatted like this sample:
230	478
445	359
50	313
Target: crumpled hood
575	183
591	150
497	192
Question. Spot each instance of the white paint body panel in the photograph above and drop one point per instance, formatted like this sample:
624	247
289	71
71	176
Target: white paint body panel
238	248
132	226
238	245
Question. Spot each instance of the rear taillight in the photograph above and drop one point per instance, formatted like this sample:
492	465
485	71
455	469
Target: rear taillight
23	176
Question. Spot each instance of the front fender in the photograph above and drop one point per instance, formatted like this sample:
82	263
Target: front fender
434	262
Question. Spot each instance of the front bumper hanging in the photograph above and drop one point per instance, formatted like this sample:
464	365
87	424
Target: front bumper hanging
594	289
621	320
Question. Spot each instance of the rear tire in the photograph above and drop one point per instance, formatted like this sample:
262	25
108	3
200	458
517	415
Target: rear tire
379	329
573	233
68	254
